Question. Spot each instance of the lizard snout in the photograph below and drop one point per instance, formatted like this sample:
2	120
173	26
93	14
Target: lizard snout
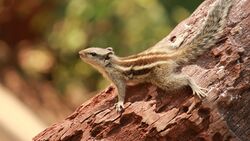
82	54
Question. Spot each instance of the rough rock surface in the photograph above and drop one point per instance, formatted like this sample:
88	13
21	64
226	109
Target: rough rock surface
152	114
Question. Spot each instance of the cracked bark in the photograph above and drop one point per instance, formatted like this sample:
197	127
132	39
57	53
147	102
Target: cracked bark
152	114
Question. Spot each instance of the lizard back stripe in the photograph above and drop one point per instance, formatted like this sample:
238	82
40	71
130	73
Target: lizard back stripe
141	55
142	60
135	73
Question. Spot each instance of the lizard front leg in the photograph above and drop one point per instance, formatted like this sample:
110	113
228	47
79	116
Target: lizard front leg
121	90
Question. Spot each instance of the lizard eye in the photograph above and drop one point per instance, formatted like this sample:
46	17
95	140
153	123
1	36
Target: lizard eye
93	54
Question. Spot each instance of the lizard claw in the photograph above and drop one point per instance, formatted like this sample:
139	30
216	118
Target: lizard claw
119	106
199	91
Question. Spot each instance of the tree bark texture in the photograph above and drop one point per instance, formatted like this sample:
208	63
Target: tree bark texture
152	114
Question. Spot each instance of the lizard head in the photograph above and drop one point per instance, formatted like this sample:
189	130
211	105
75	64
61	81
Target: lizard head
97	57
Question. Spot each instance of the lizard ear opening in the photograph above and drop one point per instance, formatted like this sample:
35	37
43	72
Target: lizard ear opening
110	49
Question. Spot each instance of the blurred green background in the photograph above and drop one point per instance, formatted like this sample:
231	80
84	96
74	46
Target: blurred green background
40	40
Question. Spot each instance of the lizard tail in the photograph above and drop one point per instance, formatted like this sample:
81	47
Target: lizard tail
211	31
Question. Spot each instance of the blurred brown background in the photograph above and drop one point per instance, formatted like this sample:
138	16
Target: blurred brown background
42	79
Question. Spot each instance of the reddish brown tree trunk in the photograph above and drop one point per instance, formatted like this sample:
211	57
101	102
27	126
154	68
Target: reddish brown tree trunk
152	114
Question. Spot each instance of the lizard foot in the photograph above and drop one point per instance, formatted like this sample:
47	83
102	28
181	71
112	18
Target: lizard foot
199	91
119	106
